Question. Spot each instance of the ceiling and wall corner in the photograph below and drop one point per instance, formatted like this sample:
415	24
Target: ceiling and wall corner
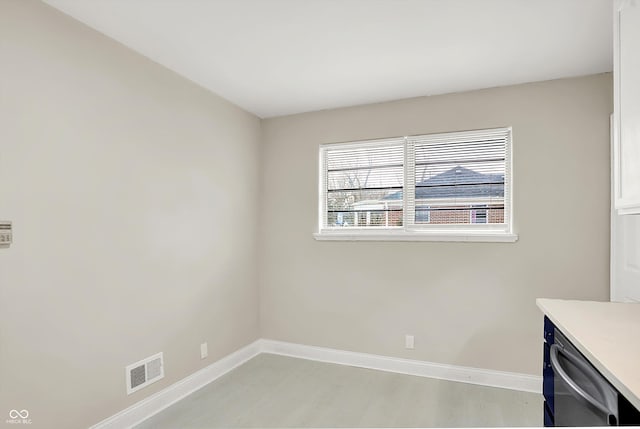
280	57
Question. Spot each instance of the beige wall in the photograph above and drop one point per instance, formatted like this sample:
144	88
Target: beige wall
133	195
469	304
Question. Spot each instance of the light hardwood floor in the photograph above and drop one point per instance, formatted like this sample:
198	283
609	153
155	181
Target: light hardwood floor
278	391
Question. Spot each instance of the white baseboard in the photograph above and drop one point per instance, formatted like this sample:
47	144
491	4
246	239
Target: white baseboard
159	401
484	377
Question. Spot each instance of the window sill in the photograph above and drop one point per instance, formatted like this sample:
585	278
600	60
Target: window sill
459	236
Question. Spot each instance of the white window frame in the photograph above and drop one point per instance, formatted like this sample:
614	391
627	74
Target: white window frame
410	231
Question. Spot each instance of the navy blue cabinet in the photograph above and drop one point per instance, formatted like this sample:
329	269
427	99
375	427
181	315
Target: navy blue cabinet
547	374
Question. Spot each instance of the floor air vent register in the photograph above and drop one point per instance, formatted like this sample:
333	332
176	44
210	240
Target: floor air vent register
144	372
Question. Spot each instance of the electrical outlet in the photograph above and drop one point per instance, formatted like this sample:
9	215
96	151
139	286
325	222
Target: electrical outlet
204	350
408	342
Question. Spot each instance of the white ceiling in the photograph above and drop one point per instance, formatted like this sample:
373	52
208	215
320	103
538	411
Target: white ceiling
278	57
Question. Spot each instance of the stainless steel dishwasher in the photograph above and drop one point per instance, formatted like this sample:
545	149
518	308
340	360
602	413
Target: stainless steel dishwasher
583	397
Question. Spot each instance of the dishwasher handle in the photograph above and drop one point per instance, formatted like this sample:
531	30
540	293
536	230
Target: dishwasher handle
578	391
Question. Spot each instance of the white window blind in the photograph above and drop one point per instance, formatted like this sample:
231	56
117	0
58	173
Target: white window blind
452	183
360	182
459	178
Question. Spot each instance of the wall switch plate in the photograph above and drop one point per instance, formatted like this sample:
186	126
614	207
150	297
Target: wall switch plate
204	350
408	342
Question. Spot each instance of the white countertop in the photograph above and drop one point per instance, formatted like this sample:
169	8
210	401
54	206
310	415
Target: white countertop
607	333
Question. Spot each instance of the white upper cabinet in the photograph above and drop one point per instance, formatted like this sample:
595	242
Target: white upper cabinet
626	69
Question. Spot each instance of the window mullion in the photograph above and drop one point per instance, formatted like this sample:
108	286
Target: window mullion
322	204
409	192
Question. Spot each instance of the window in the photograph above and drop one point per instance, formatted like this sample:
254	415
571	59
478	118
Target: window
452	186
479	214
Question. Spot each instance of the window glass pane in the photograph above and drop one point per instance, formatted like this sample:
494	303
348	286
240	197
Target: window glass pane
364	186
455	178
